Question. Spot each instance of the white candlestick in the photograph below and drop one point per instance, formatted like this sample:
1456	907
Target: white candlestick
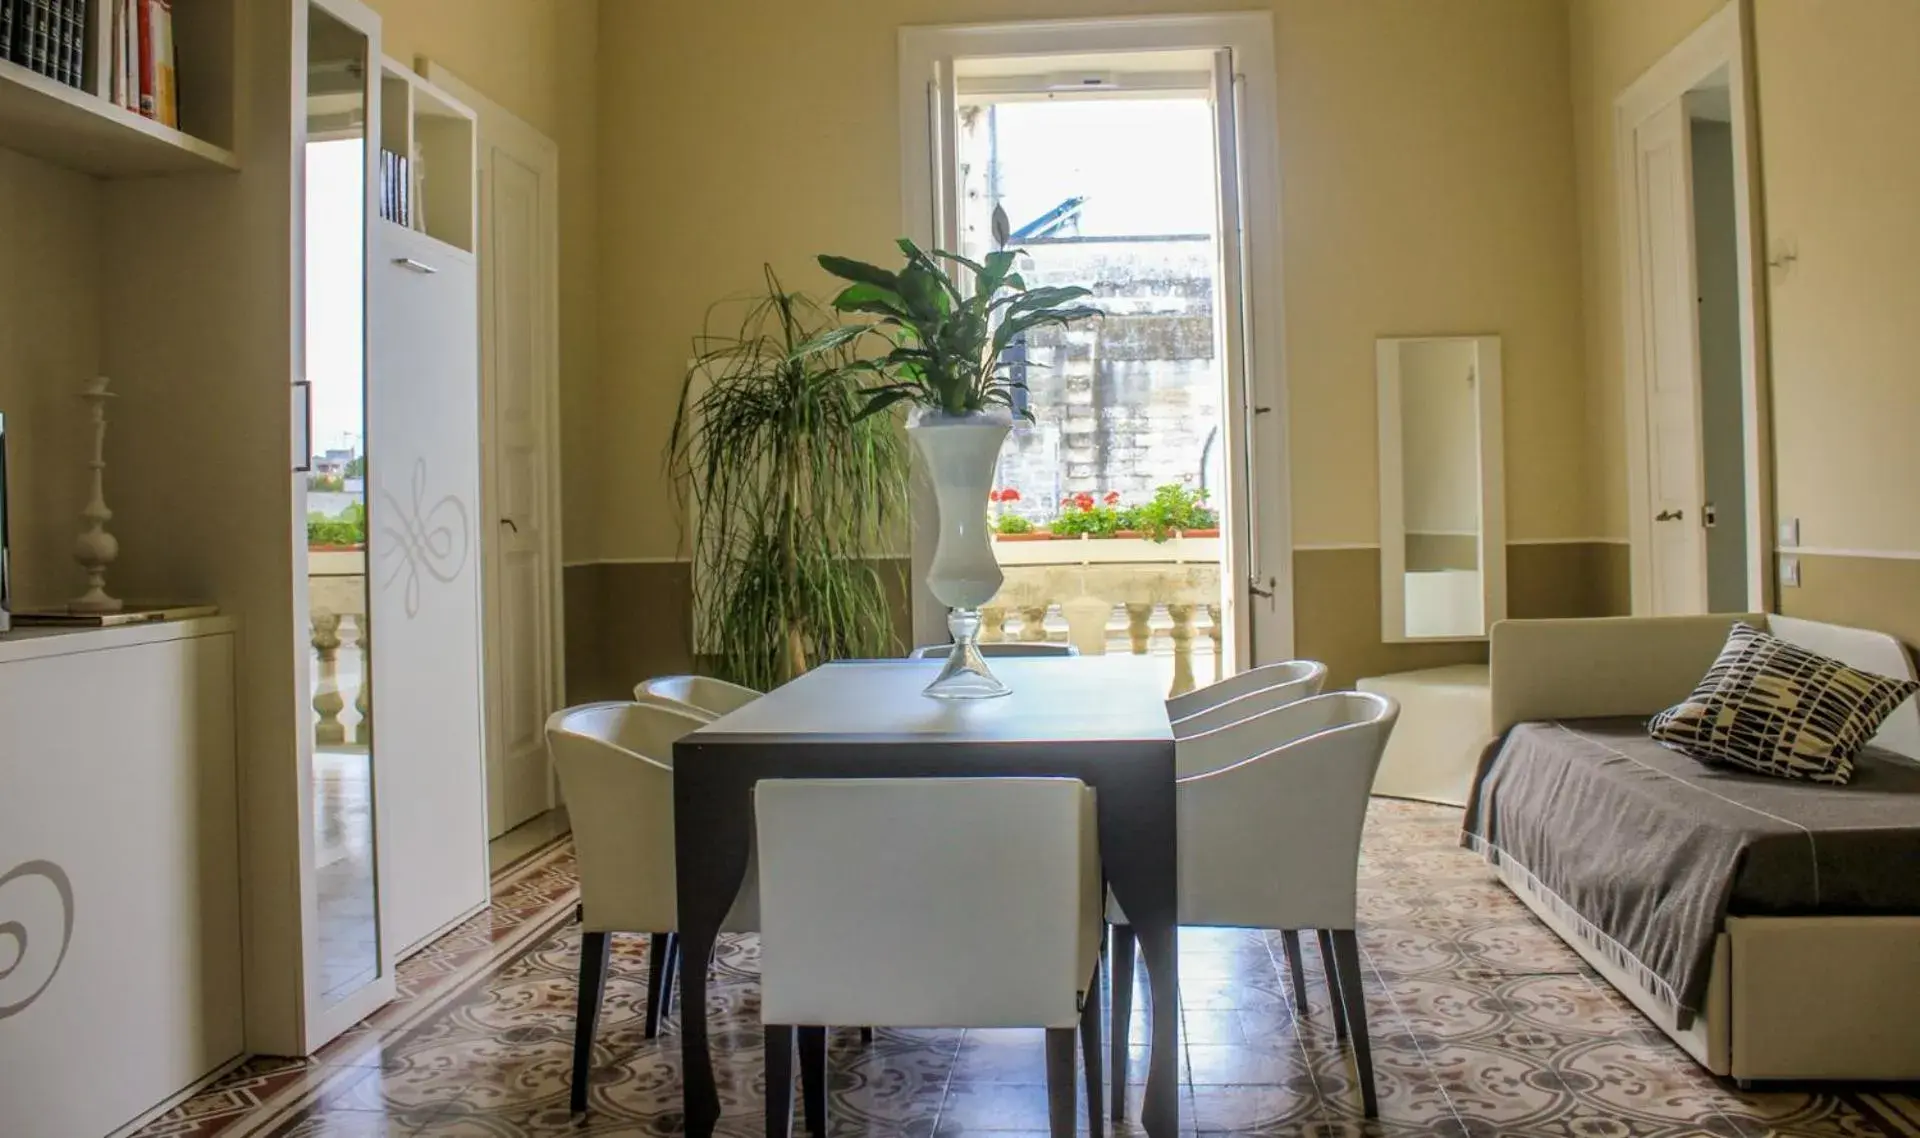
95	548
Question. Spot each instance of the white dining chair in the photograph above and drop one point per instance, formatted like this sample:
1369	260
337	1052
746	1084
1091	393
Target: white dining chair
999	648
615	762
968	902
1218	704
703	695
1271	809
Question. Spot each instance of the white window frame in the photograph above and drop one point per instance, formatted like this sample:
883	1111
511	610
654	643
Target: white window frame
1258	414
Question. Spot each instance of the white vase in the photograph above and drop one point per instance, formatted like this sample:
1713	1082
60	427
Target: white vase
960	452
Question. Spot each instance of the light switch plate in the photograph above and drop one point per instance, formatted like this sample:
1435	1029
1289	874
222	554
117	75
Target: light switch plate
1789	572
1789	533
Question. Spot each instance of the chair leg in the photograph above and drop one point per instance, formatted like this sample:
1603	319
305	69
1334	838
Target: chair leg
1333	984
672	976
586	1013
813	1078
1062	1103
1090	1059
1290	938
779	1061
1120	975
1346	945
659	973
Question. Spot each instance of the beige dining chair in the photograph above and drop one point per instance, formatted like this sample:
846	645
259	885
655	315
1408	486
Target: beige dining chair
703	695
928	902
615	762
1287	787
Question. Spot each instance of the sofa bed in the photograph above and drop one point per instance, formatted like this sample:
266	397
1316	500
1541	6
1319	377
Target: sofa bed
1770	927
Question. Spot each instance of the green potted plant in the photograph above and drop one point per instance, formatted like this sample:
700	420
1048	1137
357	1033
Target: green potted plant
942	346
796	487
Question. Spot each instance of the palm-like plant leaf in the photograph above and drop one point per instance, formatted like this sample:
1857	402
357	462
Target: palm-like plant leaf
794	490
945	342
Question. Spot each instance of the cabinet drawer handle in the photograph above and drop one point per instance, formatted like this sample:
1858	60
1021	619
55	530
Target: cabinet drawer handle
415	266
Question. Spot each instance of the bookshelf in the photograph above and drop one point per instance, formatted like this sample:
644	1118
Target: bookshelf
81	131
80	128
436	133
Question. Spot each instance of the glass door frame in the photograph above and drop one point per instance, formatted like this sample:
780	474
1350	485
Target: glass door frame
1257	579
321	1022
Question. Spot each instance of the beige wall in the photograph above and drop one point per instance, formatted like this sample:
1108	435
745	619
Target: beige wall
1836	82
49	345
1427	183
538	59
1839	89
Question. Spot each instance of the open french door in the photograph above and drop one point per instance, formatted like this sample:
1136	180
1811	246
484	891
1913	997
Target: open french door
1227	61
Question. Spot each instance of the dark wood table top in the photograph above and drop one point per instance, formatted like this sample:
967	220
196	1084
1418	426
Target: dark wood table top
1070	699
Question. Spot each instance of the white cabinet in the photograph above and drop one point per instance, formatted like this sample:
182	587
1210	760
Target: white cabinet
424	510
119	873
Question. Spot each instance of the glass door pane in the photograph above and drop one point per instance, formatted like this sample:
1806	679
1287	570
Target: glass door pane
348	941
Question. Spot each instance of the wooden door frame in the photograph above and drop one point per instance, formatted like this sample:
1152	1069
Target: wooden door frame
1724	41
1259	412
514	134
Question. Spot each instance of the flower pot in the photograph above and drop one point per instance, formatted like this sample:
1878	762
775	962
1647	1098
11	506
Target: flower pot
960	452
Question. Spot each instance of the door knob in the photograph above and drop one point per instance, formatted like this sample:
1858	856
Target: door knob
1669	516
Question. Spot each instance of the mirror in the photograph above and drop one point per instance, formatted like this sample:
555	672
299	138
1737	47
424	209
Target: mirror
1443	564
347	951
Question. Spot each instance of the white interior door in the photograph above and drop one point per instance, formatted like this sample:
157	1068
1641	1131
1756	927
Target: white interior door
1670	315
520	516
522	655
423	473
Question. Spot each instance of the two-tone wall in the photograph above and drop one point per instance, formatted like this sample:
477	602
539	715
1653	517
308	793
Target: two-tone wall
1427	187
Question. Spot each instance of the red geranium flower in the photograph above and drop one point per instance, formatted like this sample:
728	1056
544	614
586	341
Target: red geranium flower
1113	497
1009	495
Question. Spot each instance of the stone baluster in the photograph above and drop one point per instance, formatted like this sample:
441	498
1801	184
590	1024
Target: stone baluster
1087	619
993	624
1182	616
327	702
1033	622
1138	634
363	699
1213	634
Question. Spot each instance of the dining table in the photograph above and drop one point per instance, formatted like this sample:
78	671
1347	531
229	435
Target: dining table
1099	719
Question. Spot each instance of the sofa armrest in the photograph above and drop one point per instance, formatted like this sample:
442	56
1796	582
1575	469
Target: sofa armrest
1575	669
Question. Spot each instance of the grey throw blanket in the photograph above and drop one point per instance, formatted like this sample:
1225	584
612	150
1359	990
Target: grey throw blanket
1651	851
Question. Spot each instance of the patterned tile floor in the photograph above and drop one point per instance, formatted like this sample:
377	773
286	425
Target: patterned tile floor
1483	1025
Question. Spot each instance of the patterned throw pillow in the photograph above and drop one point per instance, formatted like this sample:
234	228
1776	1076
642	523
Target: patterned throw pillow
1778	709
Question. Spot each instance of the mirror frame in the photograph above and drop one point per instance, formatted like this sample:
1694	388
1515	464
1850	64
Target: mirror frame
1493	493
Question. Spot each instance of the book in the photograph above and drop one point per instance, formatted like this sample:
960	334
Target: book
166	103
61	42
130	52
77	49
116	61
42	25
143	10
131	614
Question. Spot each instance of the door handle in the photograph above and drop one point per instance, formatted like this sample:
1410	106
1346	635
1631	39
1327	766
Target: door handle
420	267
1669	515
508	522
1254	588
